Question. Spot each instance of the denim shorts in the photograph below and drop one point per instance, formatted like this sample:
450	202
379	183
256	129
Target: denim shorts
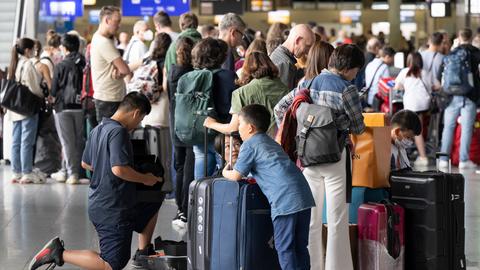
116	239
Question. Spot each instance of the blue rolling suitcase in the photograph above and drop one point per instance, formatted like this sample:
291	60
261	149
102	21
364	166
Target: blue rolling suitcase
229	227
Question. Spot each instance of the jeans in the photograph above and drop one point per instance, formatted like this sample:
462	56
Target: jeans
214	160
329	180
70	128
24	136
184	168
105	109
291	240
467	110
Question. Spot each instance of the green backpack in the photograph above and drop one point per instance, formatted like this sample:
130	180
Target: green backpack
193	103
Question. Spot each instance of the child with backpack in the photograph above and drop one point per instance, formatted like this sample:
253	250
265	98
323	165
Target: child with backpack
282	183
66	89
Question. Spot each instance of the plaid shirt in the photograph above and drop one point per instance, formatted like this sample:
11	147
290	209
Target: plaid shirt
345	105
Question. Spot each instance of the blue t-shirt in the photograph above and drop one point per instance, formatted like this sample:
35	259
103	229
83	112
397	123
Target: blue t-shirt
279	179
110	199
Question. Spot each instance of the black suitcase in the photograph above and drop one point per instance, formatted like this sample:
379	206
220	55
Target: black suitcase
434	219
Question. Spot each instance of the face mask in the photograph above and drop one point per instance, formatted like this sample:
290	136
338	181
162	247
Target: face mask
405	143
148	35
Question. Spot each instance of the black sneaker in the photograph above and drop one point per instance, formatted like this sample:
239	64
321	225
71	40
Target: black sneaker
137	260
51	253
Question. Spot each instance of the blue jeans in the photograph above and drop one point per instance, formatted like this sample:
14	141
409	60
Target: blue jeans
24	136
467	109
291	240
214	160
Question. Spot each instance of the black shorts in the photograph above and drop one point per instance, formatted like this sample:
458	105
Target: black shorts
116	239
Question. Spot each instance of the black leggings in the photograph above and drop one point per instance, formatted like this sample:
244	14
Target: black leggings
184	163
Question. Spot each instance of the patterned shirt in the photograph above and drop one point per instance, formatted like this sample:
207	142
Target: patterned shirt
330	90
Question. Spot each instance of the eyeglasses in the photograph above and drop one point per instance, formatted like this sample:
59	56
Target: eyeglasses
240	32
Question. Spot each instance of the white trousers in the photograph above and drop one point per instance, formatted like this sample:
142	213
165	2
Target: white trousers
329	179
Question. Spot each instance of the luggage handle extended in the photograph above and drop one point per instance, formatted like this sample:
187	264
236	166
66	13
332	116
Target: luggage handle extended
438	155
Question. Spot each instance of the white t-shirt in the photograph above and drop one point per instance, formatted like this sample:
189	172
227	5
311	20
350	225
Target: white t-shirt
417	93
135	51
102	53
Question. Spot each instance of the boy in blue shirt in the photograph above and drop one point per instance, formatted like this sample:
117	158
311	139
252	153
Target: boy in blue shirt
282	183
112	202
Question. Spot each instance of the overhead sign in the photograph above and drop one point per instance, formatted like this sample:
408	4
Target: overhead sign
261	5
150	7
220	7
71	8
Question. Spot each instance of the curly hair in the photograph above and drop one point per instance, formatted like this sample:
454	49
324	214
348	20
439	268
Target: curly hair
257	65
209	53
184	51
161	43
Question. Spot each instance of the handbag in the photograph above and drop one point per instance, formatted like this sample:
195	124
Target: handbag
18	98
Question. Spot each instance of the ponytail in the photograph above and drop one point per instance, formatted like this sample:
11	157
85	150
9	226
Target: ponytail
13	63
19	48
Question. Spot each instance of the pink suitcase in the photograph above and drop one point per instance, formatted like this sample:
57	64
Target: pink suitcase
381	243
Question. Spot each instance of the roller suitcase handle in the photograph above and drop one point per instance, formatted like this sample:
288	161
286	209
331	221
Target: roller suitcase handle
438	155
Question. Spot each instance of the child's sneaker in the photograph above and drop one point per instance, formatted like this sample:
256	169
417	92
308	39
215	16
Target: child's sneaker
180	222
59	176
73	180
137	261
51	253
421	162
16	178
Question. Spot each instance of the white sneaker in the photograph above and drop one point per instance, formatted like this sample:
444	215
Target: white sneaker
59	176
31	178
16	178
467	165
73	180
443	164
421	162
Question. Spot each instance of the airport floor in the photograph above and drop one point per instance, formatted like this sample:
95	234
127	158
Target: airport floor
30	215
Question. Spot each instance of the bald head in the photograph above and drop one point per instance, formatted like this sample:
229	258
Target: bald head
299	41
373	45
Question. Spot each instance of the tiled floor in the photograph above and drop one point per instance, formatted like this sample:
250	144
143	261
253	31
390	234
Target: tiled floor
31	215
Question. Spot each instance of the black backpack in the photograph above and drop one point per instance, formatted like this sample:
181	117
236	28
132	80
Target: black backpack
73	89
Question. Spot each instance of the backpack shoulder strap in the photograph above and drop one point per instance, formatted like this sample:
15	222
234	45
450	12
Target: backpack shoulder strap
375	74
48	59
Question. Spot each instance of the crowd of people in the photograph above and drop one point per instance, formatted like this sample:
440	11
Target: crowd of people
257	85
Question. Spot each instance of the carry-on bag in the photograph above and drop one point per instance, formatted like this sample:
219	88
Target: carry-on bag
170	255
474	154
229	226
381	236
434	218
153	140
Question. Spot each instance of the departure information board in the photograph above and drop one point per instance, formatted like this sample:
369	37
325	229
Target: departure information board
150	7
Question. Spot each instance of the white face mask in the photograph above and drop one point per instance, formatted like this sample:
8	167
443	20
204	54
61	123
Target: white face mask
148	35
405	143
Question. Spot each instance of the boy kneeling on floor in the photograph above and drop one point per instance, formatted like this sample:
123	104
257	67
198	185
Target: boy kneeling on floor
405	126
112	206
282	183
